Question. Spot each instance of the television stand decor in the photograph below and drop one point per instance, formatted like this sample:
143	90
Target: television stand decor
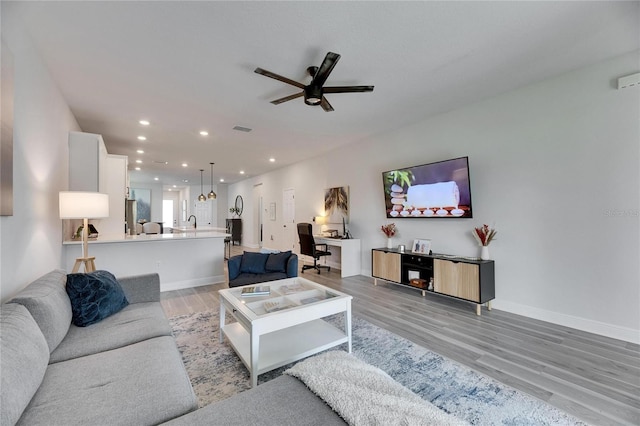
460	277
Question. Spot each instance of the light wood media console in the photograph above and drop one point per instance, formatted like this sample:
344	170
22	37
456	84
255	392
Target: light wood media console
459	277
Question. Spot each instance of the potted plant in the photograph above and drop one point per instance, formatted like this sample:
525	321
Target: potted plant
389	230
484	235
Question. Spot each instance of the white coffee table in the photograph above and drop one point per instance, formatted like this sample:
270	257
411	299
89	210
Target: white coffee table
293	330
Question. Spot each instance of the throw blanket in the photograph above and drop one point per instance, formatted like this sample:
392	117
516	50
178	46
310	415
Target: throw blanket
365	395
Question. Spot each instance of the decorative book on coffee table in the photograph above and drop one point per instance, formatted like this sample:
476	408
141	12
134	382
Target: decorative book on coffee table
258	290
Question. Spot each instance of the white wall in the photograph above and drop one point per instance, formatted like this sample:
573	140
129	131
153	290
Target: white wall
31	238
554	165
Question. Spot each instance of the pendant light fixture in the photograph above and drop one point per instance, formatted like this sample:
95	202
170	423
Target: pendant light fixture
212	195
201	197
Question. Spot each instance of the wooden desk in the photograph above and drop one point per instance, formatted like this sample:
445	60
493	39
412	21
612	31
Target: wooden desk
350	259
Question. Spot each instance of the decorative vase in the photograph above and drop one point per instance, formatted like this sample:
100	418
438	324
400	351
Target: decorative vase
484	253
389	243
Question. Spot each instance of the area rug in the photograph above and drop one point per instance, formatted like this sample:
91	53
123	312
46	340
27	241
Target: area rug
217	373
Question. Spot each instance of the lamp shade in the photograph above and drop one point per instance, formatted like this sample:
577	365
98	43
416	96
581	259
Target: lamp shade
81	205
320	220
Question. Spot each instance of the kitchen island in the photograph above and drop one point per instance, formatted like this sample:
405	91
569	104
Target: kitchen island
184	259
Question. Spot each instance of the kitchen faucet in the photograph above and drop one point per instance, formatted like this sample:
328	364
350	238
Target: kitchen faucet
195	221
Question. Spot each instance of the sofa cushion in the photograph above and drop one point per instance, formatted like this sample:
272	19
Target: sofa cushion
94	297
245	279
140	384
48	304
281	401
277	262
133	324
23	361
253	263
141	288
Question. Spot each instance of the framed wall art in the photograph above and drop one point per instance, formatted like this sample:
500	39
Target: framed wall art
336	204
421	246
143	207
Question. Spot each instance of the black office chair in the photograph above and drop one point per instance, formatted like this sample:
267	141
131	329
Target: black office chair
309	247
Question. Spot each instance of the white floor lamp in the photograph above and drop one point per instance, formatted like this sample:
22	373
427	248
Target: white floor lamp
84	205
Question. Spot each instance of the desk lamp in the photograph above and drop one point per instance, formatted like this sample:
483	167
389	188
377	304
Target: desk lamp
320	220
84	205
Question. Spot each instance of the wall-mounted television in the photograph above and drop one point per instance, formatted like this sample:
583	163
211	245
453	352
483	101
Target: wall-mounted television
434	190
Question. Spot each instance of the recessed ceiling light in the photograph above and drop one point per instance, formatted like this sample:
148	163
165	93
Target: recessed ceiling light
144	122
175	186
139	161
142	138
156	178
221	180
185	180
140	151
169	189
185	165
138	168
241	172
273	160
204	133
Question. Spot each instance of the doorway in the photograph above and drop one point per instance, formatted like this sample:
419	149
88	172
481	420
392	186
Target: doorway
290	234
170	209
258	224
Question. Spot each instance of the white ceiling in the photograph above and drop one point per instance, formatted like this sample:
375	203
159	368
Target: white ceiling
187	66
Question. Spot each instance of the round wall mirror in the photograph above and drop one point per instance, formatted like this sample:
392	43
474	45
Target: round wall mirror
239	205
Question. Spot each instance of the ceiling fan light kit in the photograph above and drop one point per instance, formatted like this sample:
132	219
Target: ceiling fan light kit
314	92
312	95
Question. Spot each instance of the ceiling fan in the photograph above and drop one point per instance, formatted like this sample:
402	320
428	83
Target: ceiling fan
314	92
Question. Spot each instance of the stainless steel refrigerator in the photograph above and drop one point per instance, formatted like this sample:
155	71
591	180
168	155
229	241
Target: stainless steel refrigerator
130	217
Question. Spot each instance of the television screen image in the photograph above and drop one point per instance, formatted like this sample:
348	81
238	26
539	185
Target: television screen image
435	190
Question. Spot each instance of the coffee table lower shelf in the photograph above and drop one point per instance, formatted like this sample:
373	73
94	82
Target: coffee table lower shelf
281	347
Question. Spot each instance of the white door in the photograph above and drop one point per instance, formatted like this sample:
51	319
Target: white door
203	212
257	214
170	219
290	234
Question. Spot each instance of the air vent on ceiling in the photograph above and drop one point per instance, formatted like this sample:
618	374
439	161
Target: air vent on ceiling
160	162
242	129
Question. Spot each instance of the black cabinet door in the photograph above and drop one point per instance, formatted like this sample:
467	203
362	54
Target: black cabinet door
234	227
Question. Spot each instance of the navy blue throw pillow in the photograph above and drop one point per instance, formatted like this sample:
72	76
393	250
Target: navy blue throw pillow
277	262
94	297
253	263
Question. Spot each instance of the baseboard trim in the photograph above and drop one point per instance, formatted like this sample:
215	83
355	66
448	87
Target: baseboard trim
590	326
180	285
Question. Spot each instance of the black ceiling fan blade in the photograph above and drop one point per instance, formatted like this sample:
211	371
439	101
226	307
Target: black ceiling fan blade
325	69
287	98
326	105
278	77
347	89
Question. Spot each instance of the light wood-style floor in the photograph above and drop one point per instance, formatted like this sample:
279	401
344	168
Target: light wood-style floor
594	378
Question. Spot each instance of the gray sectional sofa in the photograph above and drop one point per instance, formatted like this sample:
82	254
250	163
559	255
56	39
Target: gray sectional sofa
123	370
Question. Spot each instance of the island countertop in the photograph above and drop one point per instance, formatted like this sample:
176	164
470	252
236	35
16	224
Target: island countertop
177	236
184	259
